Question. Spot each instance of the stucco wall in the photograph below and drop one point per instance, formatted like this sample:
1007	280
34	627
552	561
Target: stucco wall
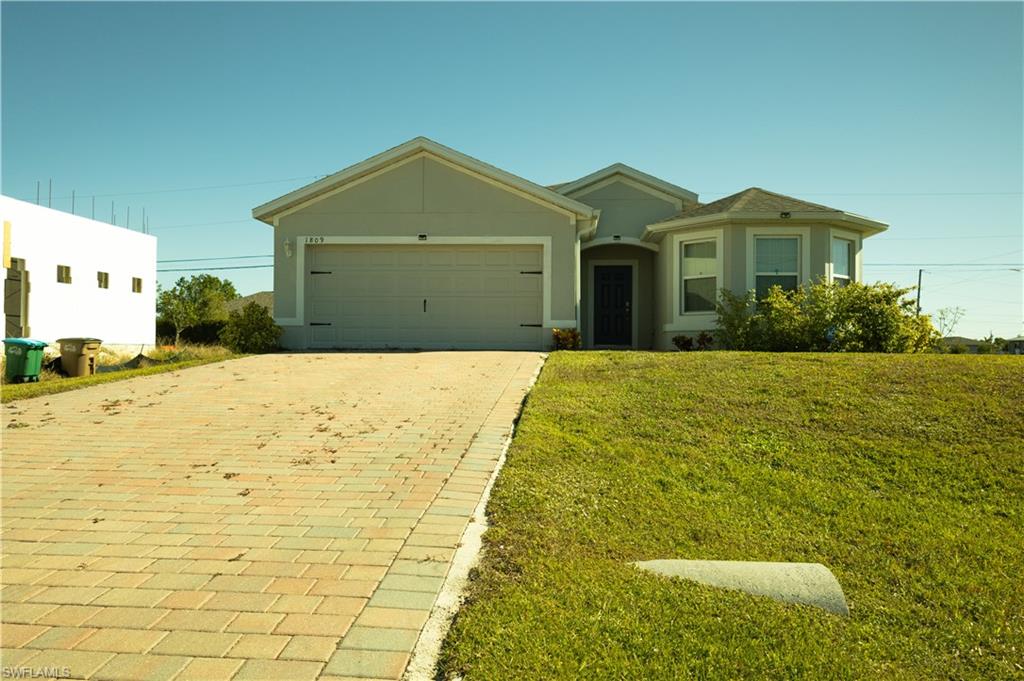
625	210
424	196
645	299
45	238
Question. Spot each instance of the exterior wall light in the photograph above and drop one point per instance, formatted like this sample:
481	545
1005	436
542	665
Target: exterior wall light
287	248
784	214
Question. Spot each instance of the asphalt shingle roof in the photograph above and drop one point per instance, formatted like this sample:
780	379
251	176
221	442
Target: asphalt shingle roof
752	199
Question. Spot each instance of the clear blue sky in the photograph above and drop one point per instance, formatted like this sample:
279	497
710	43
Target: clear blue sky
910	113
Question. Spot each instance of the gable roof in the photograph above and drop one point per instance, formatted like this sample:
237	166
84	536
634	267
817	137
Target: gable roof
756	202
631	173
420	145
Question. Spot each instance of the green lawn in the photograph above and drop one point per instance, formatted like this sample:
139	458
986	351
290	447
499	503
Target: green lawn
902	473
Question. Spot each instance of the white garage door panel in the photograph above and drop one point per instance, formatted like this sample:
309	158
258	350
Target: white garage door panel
476	296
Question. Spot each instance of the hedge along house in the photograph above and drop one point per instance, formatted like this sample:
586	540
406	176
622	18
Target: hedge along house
424	247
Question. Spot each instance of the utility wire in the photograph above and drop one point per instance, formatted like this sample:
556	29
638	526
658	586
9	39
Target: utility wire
211	269
226	257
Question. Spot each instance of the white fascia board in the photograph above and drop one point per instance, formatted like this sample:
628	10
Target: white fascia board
266	211
631	173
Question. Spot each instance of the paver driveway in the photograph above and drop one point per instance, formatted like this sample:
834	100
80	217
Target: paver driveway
281	517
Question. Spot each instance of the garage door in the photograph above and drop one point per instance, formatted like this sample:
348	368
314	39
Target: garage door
424	296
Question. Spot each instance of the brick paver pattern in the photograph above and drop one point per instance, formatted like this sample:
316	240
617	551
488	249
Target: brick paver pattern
283	517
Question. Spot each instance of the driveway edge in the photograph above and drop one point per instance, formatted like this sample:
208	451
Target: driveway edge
423	662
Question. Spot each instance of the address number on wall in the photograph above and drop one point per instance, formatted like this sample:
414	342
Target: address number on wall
314	239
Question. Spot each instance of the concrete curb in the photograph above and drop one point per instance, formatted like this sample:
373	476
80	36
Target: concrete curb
423	662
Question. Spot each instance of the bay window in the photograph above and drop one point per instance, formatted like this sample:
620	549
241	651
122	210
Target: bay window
842	261
776	263
699	276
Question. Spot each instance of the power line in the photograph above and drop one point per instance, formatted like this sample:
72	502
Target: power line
204	224
226	257
203	188
944	264
211	269
944	238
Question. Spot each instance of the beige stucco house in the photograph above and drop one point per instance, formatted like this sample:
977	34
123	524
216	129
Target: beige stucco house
424	247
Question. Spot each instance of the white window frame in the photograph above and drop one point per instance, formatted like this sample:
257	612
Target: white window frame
683	278
803	235
692	321
856	273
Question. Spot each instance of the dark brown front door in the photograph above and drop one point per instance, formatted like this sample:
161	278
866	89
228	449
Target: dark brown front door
613	297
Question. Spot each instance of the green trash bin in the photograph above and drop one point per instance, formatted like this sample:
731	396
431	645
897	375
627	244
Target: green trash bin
78	355
23	359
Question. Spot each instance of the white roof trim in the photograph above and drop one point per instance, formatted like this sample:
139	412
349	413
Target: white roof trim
865	225
633	174
267	211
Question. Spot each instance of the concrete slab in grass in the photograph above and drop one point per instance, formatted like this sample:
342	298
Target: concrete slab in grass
806	583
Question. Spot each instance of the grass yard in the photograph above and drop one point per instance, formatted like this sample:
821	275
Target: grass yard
179	358
902	473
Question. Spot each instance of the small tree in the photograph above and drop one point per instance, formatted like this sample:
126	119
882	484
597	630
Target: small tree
199	299
947	318
251	330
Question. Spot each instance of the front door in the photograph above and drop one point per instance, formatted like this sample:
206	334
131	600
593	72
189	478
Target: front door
613	299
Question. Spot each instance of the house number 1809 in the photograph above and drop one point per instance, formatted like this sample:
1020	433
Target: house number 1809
314	239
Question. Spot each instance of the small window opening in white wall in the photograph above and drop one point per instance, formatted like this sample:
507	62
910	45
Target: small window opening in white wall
136	285
700	280
842	261
103	279
63	274
776	263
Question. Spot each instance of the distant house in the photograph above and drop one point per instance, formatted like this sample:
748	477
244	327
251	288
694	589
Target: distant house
422	246
1015	345
69	276
968	344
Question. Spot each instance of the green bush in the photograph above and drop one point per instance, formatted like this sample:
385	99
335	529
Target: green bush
252	330
566	339
204	333
823	317
682	342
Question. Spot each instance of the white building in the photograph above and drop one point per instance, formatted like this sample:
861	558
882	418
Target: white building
68	276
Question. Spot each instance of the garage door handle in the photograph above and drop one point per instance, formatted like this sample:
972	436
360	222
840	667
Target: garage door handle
319	323
319	272
424	304
537	326
531	272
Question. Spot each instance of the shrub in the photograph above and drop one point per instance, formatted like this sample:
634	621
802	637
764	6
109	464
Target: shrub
823	317
705	340
566	339
165	331
682	343
204	333
957	349
251	330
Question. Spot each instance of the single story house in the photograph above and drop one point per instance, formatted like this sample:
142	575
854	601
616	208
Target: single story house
422	246
1015	345
68	276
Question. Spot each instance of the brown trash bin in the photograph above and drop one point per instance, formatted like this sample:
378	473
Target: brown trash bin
78	355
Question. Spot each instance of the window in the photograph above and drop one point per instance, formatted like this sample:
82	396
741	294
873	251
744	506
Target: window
103	279
843	267
700	280
136	285
63	274
776	263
